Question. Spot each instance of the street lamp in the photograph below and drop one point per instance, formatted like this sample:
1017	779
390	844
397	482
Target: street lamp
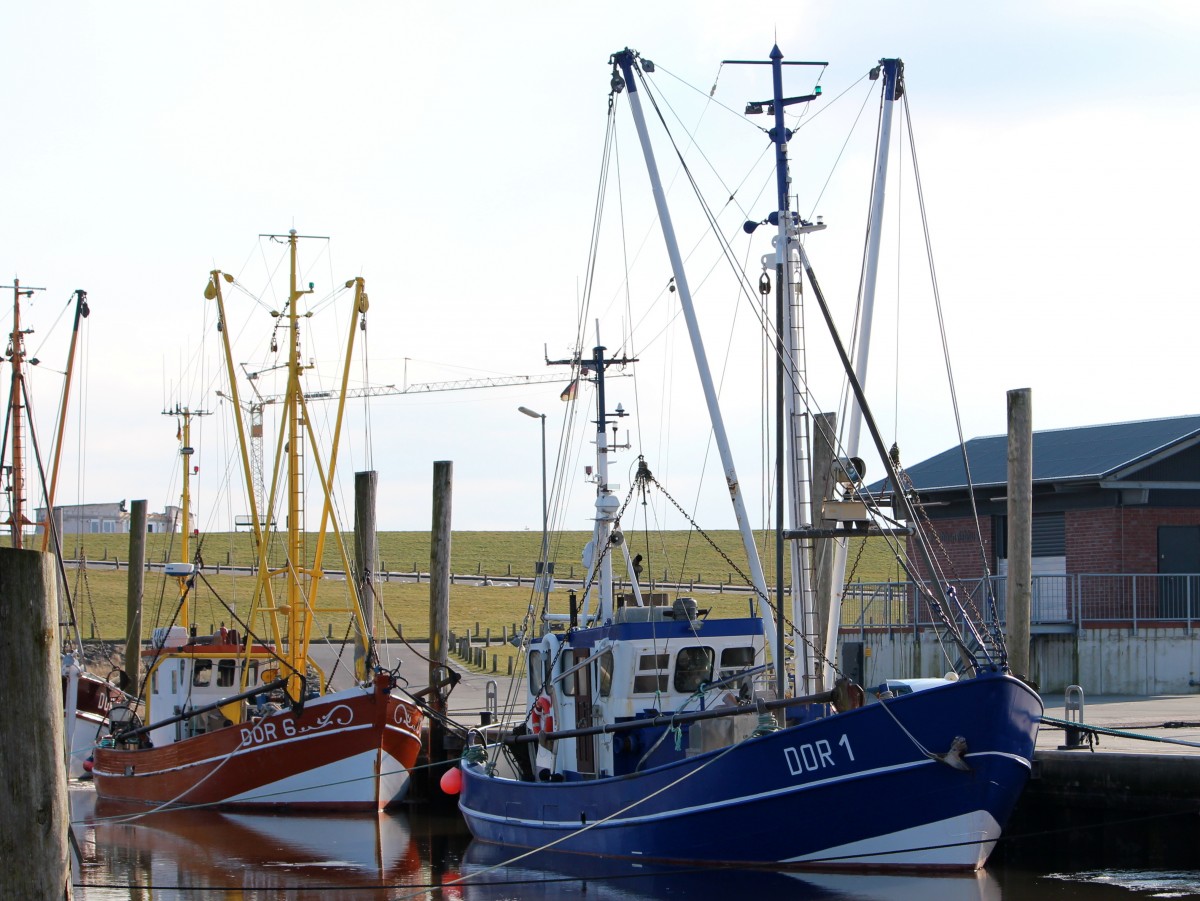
543	563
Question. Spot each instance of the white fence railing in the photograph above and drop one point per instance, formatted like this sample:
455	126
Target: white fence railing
1082	600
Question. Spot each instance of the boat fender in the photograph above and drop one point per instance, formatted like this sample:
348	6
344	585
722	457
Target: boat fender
541	718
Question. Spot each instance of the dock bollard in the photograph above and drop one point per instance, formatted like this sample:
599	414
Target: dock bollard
1073	712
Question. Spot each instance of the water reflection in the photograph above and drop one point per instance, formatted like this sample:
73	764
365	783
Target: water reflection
493	872
199	854
180	853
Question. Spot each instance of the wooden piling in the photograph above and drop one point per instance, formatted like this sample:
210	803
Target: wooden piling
365	545
33	782
134	593
824	549
439	605
1019	584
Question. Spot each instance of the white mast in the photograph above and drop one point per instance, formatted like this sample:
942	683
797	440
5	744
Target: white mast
893	75
625	60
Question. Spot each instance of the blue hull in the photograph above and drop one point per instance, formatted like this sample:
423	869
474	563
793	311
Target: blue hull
849	790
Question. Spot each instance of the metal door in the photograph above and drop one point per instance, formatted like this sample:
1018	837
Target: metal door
585	745
1179	552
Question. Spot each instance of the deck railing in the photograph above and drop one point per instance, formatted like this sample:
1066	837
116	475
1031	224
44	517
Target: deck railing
1079	601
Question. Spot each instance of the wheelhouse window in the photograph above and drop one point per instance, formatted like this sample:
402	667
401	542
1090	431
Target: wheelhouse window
652	674
202	674
735	660
226	673
605	665
693	666
568	682
535	672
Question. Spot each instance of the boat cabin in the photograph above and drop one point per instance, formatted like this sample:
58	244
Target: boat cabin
649	661
187	672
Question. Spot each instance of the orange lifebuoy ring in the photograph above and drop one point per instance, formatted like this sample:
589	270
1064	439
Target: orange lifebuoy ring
541	717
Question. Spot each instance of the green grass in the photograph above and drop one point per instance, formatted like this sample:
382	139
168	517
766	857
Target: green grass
99	592
673	556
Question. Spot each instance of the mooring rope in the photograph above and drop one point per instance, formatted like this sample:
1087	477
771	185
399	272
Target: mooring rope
1118	733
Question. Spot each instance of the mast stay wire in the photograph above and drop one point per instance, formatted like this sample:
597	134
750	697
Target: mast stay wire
945	347
743	280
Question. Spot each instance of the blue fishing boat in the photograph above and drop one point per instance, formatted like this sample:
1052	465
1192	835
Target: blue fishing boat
657	732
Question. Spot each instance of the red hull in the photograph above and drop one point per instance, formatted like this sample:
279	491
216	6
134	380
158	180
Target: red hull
349	750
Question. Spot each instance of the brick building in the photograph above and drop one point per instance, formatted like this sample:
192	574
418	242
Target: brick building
1122	498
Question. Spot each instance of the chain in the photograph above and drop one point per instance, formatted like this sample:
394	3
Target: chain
862	548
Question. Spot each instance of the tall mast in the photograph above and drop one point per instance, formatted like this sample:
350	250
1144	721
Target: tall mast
625	59
16	418
81	312
186	451
290	617
607	504
296	611
893	89
792	457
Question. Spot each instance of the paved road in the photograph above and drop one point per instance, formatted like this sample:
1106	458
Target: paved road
468	699
1145	716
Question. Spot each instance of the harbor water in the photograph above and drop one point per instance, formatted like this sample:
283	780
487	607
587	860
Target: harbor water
127	853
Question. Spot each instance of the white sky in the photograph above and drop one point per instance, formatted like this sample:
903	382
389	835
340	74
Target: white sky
452	153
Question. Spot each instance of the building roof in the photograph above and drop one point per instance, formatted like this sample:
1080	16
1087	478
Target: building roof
1086	453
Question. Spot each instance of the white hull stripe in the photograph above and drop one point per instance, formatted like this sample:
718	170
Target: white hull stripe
618	822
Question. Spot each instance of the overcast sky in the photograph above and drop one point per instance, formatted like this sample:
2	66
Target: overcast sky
452	153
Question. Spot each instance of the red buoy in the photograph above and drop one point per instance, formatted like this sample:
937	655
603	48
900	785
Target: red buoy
451	781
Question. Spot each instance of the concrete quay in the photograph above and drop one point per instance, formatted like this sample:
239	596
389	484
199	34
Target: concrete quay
1151	768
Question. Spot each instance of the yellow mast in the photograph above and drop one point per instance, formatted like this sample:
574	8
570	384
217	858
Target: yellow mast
185	453
298	603
297	612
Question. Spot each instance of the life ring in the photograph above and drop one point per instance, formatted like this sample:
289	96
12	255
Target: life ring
541	717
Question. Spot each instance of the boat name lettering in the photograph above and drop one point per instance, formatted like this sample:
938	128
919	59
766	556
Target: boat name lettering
813	756
261	733
277	727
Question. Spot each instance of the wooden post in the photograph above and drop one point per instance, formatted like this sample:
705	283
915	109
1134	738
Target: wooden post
33	781
823	552
133	597
439	599
1020	528
365	545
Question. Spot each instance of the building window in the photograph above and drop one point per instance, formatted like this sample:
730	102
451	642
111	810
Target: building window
1049	535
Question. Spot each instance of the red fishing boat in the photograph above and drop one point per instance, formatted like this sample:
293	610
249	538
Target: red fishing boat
239	720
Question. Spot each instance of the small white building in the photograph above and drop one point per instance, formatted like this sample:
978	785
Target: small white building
111	519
